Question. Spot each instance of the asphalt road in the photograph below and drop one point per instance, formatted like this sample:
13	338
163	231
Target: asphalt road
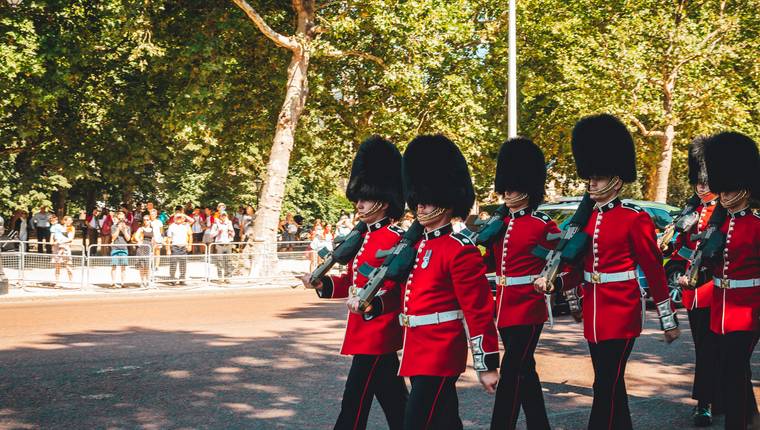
262	359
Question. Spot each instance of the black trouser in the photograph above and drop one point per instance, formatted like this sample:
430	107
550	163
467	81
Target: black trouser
373	375
179	254
92	238
43	235
736	378
705	390
610	407
519	383
433	404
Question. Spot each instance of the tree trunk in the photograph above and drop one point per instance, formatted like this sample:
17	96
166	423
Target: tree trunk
660	185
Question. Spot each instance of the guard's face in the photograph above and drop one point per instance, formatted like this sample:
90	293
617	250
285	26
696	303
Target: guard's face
370	210
702	189
600	190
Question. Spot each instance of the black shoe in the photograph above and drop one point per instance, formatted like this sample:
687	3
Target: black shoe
702	417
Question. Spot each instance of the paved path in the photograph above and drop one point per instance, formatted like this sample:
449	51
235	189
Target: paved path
261	359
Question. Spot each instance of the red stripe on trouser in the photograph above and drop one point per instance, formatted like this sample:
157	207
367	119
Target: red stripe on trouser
432	408
364	393
515	403
614	387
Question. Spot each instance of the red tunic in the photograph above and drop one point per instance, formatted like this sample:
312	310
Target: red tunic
738	309
381	334
702	296
622	237
448	275
513	257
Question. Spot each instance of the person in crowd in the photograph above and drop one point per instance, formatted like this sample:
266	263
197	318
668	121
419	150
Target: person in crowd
179	236
106	224
198	226
343	227
63	237
144	239
21	226
54	229
93	227
163	217
237	223
246	224
41	224
407	220
149	208
316	238
121	234
457	224
221	207
158	237
189	209
222	234
82	225
290	230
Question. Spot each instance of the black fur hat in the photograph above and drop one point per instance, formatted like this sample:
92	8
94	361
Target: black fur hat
521	167
376	175
732	163
435	172
602	146
697	168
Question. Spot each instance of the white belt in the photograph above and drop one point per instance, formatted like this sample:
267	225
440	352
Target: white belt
516	280
736	283
603	278
436	318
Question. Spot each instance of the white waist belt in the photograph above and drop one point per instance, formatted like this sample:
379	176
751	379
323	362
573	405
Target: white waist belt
603	278
436	318
516	280
736	283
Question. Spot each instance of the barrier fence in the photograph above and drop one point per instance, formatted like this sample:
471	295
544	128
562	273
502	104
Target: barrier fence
114	267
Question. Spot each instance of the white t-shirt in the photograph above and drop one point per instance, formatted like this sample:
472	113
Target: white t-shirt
222	232
158	226
178	233
198	224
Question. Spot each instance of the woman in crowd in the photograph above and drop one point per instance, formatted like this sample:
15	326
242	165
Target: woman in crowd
62	239
120	237
143	237
106	222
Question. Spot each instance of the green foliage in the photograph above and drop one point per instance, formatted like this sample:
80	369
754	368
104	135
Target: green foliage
175	101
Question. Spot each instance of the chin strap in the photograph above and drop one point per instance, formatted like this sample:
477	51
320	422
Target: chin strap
668	319
609	187
739	196
375	207
514	200
432	216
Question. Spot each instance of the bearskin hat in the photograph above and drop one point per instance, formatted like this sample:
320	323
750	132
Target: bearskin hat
732	163
435	172
697	168
602	146
376	175
521	167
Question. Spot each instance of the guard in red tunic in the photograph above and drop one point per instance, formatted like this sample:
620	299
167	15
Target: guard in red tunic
447	303
621	237
733	171
374	337
697	301
520	310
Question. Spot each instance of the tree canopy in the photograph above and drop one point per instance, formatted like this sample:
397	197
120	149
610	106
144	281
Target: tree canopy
176	101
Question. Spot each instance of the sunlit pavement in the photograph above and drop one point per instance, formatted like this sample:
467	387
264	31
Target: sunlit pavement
263	359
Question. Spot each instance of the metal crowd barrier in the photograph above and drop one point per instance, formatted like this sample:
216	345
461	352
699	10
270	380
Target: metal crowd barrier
55	270
235	264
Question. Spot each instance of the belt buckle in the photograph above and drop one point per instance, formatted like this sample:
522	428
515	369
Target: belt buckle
596	278
404	320
353	290
502	280
725	283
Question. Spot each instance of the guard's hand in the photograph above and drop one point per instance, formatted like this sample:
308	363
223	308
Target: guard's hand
353	304
489	380
540	285
683	281
672	335
305	280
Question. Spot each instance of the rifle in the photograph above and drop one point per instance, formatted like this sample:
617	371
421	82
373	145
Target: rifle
492	228
344	251
682	223
710	247
572	242
396	266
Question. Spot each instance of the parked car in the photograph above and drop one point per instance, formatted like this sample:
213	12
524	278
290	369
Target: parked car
661	214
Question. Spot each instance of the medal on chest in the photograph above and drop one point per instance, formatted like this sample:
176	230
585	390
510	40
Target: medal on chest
426	258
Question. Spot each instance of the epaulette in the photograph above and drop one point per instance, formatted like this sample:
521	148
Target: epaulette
542	216
632	206
396	229
462	238
757	214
